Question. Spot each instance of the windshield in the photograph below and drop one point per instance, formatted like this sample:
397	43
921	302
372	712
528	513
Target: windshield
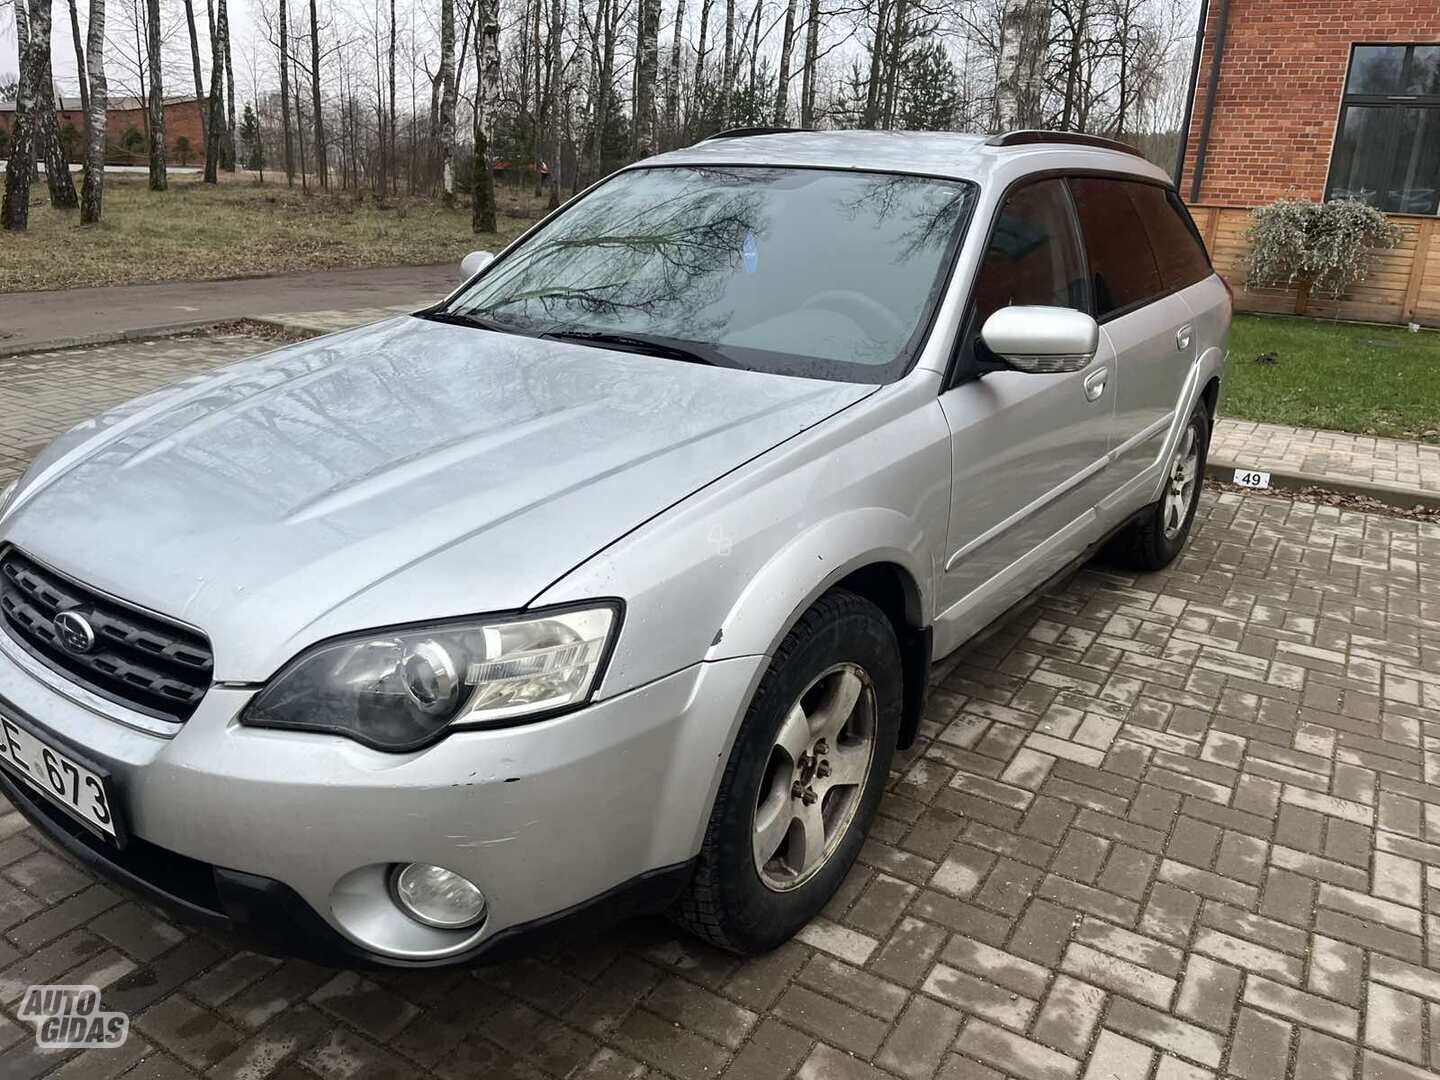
810	272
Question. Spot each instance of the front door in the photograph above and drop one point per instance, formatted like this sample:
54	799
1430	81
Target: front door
1030	451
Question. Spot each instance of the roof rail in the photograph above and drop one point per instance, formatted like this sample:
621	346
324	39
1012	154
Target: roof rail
741	132
1072	138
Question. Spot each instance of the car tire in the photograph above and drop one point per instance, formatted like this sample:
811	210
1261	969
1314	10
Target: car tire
1154	540
814	803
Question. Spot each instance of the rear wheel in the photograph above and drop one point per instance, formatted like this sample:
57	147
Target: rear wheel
803	781
1154	540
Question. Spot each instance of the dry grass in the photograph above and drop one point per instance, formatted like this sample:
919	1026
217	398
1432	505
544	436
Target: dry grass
195	231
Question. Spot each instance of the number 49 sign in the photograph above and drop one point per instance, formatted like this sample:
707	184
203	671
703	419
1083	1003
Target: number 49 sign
1252	478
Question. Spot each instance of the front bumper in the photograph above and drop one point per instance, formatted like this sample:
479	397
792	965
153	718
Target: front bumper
285	836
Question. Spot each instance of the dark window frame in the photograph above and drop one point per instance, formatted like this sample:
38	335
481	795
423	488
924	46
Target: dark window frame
963	366
1392	102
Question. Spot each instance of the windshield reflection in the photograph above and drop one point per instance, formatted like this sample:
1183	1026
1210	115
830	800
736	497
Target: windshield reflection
800	271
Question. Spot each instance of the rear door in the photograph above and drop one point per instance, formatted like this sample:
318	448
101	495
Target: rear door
1030	451
1136	275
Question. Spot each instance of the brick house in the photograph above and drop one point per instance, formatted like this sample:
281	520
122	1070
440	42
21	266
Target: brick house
1321	99
182	120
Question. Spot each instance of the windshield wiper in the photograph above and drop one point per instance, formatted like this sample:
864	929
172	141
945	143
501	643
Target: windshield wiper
460	318
648	344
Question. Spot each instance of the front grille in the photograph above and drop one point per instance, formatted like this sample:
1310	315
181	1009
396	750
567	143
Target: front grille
140	660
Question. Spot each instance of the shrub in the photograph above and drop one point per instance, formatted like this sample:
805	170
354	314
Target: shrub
1325	246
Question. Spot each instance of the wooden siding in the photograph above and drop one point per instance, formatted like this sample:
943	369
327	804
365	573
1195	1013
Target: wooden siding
1403	285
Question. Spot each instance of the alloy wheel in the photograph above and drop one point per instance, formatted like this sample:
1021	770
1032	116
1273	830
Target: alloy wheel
1180	488
815	777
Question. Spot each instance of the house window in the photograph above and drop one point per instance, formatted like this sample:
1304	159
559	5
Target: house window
1387	147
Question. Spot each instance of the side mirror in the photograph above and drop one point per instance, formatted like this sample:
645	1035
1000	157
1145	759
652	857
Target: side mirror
473	263
1042	340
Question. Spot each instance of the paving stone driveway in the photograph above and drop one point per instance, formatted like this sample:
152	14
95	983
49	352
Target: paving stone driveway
1159	828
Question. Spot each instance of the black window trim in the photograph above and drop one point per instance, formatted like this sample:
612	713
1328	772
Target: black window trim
954	376
1391	102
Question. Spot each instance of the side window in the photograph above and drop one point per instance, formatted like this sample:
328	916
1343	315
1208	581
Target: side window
1122	267
1034	254
1179	254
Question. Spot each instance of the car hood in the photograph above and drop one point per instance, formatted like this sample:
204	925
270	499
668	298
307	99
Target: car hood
405	471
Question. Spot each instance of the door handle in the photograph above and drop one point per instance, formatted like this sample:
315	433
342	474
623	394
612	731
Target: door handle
1182	338
1095	383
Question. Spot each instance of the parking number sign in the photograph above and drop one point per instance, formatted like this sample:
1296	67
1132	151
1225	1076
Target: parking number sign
1252	478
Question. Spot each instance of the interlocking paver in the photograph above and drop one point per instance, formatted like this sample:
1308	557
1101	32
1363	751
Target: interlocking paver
1176	826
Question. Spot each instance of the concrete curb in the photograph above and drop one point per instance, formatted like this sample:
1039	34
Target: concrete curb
1399	495
143	333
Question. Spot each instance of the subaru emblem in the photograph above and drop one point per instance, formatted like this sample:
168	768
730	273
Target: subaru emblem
74	632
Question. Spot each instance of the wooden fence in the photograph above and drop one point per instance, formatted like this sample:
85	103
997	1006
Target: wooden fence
1403	285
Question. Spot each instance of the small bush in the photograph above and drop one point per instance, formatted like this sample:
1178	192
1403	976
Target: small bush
1324	246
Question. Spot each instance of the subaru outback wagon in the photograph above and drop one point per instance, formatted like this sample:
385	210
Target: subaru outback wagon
612	582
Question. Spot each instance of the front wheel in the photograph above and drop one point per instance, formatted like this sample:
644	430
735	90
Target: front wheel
1154	540
803	781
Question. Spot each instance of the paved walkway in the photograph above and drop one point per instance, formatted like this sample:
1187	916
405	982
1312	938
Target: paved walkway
31	319
1328	455
1170	827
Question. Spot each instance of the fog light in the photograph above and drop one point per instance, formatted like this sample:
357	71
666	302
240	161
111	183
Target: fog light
437	897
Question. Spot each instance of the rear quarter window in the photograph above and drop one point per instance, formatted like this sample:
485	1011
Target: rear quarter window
1179	254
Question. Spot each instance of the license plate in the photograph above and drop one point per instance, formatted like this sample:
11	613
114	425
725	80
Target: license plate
75	787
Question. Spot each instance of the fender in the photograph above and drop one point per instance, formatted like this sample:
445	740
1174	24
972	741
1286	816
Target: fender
823	554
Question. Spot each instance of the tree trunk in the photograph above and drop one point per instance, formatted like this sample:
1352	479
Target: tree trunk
672	78
878	52
812	58
15	208
285	92
1024	27
93	188
782	84
80	66
448	94
158	178
700	44
194	64
227	152
321	165
487	95
394	169
557	69
727	85
216	118
647	46
47	128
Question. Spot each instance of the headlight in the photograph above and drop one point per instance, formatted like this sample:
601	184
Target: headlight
399	689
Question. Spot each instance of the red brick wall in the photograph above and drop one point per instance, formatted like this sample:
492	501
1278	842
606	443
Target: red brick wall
181	118
1281	79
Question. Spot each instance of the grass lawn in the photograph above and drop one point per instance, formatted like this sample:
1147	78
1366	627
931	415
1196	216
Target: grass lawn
1371	380
195	231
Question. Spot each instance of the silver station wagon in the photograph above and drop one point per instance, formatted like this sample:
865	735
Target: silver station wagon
612	582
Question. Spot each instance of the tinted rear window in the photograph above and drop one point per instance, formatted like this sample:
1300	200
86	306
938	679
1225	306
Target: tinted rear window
1123	271
1179	254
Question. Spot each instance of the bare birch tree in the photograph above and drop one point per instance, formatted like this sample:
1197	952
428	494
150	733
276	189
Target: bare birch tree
321	165
80	68
647	44
195	66
672	77
215	119
782	83
47	129
158	178
446	133
93	186
284	18
487	96
812	61
15	208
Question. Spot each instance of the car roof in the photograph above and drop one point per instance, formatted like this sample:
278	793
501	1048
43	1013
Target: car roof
921	153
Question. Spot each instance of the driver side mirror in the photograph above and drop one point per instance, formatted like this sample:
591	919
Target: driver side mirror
1042	340
473	263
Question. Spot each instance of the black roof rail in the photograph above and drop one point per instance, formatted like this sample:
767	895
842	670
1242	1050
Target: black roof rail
741	132
1030	137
